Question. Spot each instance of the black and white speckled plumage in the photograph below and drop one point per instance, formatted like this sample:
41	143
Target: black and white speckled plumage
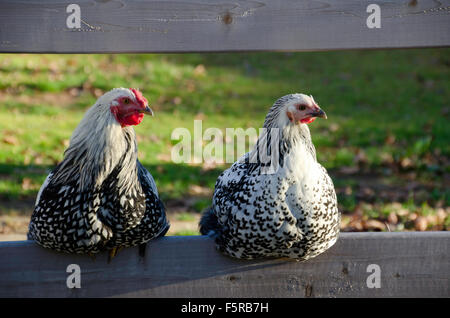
100	196
289	213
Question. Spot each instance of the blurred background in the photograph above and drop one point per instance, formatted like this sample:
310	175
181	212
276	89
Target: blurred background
385	143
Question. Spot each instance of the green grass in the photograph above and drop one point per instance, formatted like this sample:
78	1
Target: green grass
185	217
186	233
387	109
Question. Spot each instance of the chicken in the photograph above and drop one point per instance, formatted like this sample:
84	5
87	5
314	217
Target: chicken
276	200
100	197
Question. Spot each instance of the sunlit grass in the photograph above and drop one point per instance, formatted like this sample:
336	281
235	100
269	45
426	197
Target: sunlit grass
386	109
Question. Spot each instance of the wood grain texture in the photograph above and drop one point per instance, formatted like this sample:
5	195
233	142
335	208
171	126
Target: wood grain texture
220	25
412	265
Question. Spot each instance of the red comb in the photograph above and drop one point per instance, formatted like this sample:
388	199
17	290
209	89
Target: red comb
139	97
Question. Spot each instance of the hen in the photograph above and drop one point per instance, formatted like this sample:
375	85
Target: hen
276	200
100	196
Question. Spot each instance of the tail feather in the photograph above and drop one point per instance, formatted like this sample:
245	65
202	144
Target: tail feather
209	224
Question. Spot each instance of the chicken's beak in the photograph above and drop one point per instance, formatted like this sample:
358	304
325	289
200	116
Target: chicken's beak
319	113
147	110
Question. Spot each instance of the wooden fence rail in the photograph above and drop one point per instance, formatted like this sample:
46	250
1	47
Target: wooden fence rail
410	264
220	25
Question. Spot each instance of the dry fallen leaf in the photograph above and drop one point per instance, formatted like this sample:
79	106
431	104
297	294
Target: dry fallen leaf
98	92
154	138
10	140
403	212
390	139
420	223
190	86
27	184
393	218
199	190
38	159
65	142
374	225
360	157
406	163
441	215
333	127
164	157
199	70
386	158
200	116
432	219
160	169
177	100
348	190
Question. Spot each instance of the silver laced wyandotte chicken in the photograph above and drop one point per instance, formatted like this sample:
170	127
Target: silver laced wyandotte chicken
276	200
100	197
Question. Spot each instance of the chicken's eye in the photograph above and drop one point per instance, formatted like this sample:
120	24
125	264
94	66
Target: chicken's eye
301	107
126	101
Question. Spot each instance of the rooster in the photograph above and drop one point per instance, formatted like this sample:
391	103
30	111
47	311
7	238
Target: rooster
100	197
276	200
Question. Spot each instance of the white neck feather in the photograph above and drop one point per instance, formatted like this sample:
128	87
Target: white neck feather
96	147
291	141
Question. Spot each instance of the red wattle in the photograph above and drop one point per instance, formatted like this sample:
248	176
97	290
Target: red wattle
134	119
130	120
308	120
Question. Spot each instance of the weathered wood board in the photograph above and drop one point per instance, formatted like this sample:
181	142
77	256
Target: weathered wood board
412	264
220	25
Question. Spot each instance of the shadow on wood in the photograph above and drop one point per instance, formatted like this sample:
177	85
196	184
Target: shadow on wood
412	264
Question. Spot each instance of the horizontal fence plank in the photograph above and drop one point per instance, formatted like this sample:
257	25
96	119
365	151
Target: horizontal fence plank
412	264
220	25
